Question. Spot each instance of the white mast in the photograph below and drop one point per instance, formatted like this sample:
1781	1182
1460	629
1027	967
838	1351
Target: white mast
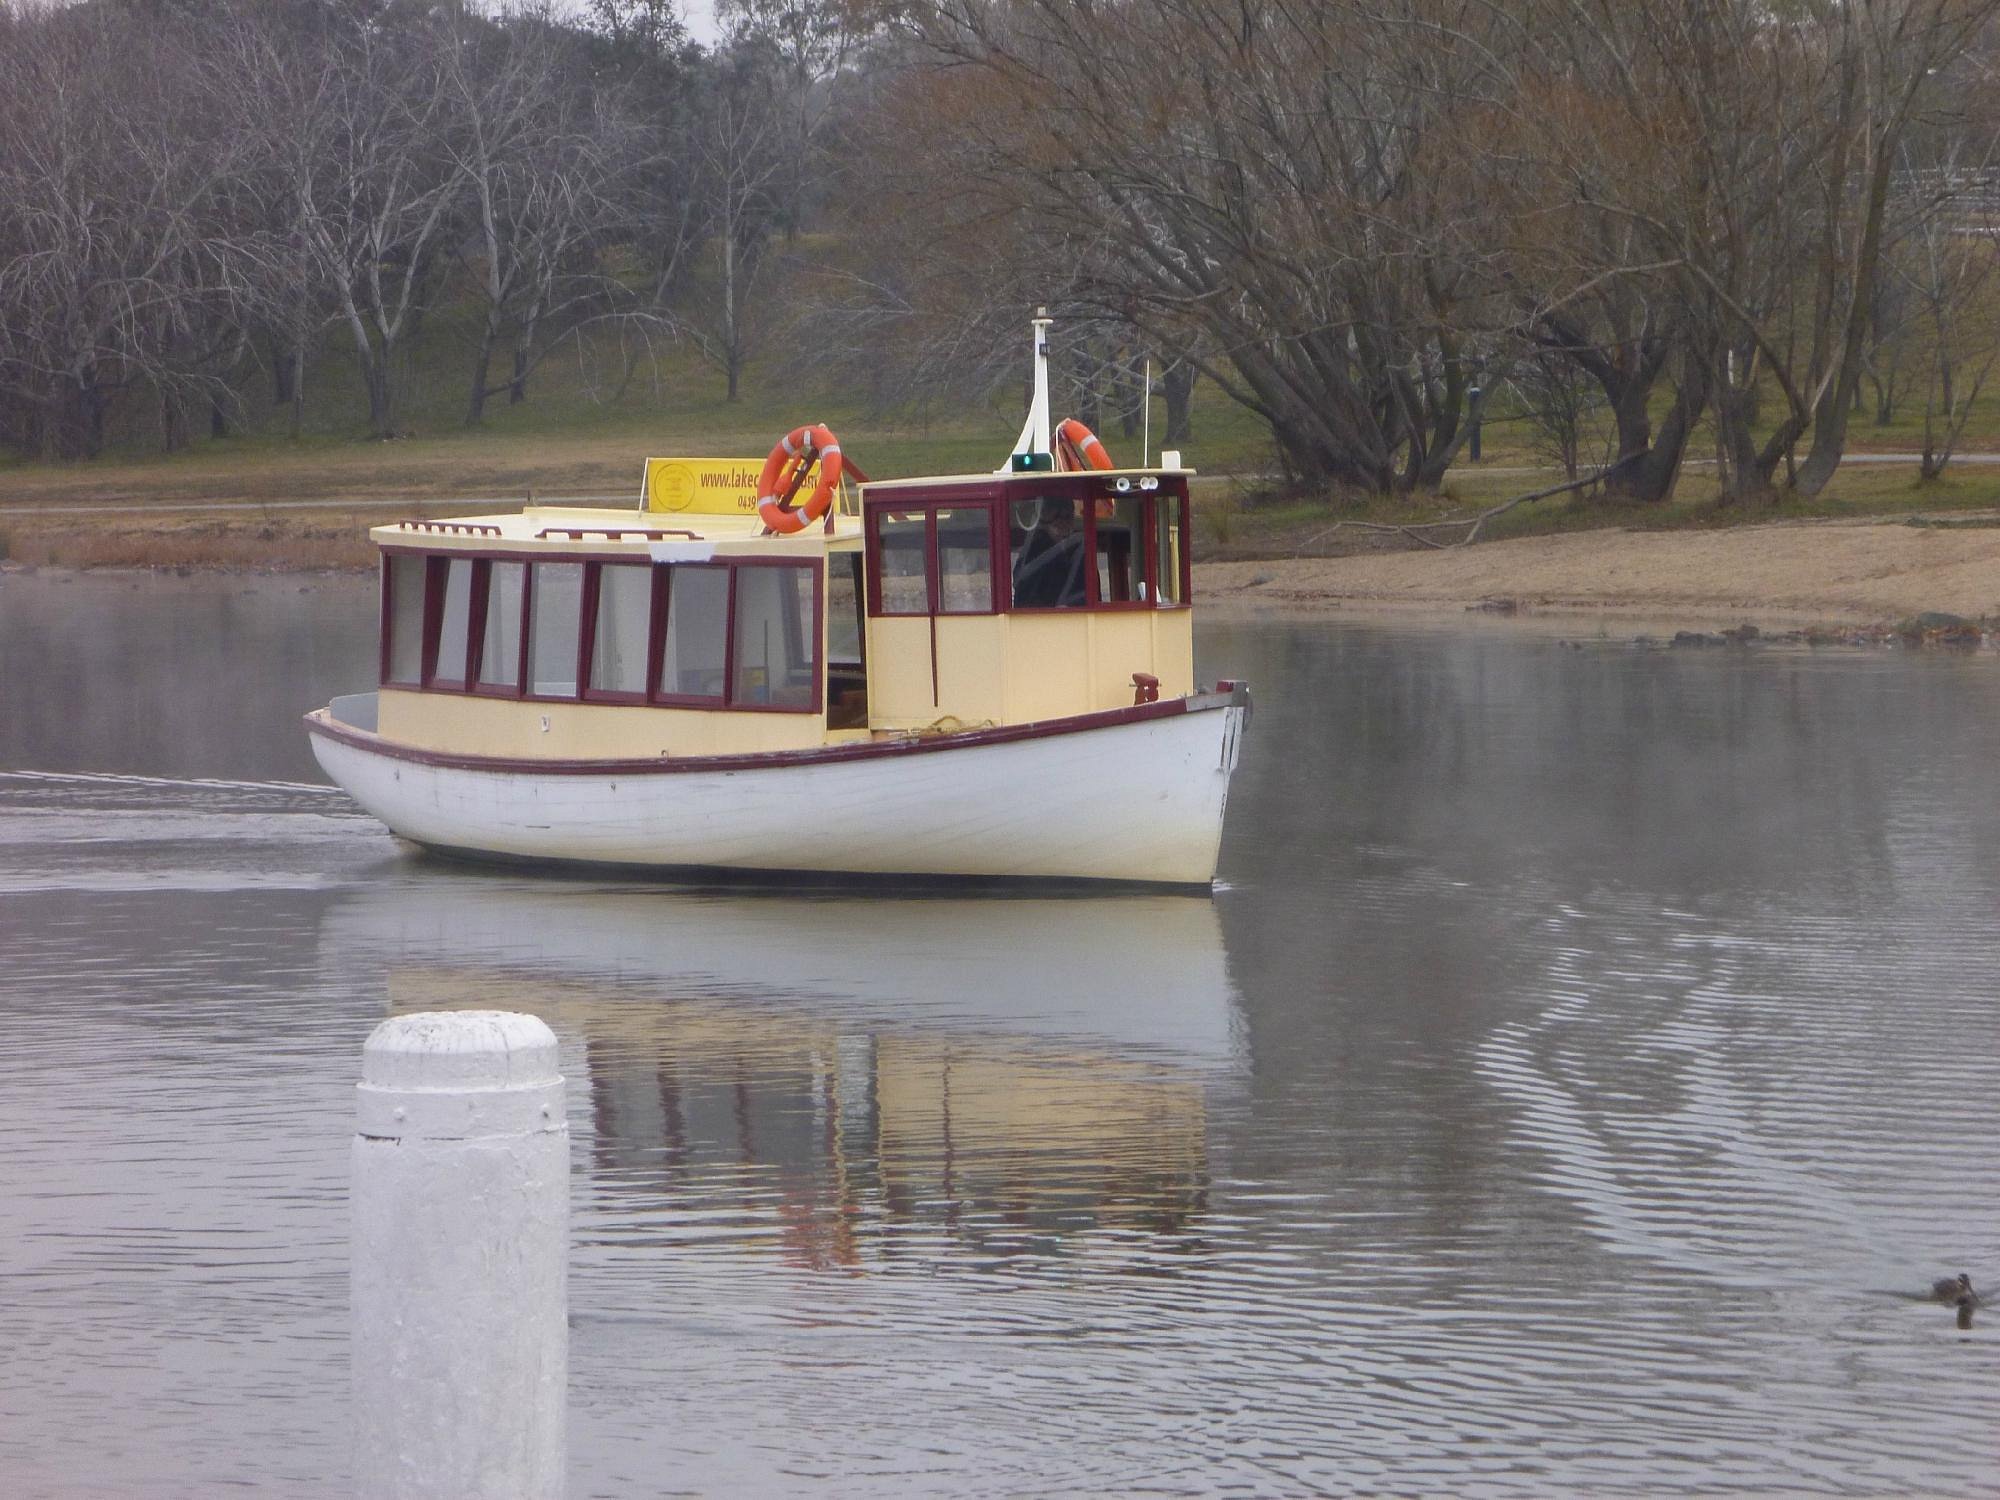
1035	434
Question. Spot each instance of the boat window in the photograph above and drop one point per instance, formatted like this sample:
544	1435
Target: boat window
1047	538
624	621
554	615
902	544
404	585
1121	553
965	561
843	608
500	648
775	615
846	644
454	621
1167	538
692	661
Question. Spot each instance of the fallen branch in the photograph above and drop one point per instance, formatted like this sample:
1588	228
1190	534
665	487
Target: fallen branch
1415	530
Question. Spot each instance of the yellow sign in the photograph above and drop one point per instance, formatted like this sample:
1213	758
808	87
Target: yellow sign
703	486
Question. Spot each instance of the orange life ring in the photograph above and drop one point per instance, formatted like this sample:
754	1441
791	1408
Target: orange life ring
795	452
1085	443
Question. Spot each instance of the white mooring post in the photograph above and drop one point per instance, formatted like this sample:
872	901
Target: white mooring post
461	1239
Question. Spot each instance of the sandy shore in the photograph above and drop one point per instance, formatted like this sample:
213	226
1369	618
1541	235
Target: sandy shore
1786	574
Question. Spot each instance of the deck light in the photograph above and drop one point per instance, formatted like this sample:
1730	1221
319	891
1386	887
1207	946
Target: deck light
1121	485
1149	483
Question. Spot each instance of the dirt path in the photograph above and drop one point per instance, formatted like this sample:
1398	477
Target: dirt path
1862	572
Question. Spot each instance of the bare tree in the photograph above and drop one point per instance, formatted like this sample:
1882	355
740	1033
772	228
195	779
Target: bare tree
123	256
1950	266
1251	183
367	164
1758	175
737	138
537	153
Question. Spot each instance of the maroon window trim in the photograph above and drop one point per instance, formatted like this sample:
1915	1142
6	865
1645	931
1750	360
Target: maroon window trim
856	560
1149	550
816	701
527	599
482	585
475	623
656	629
999	583
661	604
436	566
872	545
528	694
386	622
933	572
1003	558
1082	489
593	588
993	555
437	571
1186	549
586	630
1090	599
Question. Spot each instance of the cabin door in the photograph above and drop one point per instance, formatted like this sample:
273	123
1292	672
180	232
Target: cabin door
846	649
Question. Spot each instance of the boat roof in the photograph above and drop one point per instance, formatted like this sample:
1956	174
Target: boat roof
556	529
1031	478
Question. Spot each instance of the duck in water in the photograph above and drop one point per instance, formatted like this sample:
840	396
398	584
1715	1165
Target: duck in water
1955	1290
1965	1307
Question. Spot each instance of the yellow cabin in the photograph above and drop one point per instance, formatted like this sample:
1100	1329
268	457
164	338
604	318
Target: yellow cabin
964	602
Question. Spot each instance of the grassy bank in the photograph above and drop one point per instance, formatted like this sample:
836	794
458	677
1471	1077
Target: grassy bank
1234	522
272	500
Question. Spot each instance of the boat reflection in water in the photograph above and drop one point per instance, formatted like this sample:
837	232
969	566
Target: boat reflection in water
831	1081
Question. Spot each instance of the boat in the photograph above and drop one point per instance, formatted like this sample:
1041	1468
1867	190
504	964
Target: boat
788	671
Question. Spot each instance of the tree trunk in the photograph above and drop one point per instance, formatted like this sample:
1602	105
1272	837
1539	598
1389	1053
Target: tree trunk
1634	421
1829	428
1647	471
381	411
1177	381
524	348
732	345
475	410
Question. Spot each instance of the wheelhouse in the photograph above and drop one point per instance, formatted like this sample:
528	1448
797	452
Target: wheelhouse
1011	598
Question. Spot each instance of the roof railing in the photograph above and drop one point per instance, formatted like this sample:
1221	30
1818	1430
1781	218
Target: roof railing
615	533
450	528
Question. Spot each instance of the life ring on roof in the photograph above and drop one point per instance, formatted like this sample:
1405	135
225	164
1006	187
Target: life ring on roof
788	462
1083	442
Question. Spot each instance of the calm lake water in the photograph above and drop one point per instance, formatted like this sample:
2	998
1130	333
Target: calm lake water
1590	1052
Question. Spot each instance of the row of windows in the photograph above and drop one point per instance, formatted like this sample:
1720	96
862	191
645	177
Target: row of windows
1045	552
736	634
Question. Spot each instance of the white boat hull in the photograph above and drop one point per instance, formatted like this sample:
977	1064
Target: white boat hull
1135	799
